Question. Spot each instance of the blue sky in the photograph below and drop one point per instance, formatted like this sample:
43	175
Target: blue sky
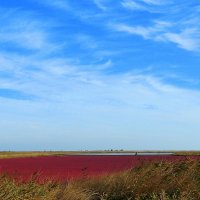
99	74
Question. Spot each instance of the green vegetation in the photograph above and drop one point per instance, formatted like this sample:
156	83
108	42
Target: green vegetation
178	180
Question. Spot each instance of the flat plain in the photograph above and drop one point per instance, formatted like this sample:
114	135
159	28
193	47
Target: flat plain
99	175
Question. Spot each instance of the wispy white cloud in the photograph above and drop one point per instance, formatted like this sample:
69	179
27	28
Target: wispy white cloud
100	4
47	78
26	33
27	38
136	30
150	32
187	39
130	4
171	26
156	2
146	5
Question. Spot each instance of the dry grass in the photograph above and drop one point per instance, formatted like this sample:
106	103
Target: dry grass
188	153
21	154
156	181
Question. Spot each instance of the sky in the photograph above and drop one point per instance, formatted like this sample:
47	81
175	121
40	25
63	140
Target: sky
99	74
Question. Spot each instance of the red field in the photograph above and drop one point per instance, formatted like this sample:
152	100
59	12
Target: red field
67	167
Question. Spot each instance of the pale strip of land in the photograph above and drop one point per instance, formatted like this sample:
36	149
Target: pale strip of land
20	154
17	154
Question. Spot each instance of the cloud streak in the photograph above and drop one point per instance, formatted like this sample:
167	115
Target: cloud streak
170	27
187	39
153	6
100	4
132	5
24	32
